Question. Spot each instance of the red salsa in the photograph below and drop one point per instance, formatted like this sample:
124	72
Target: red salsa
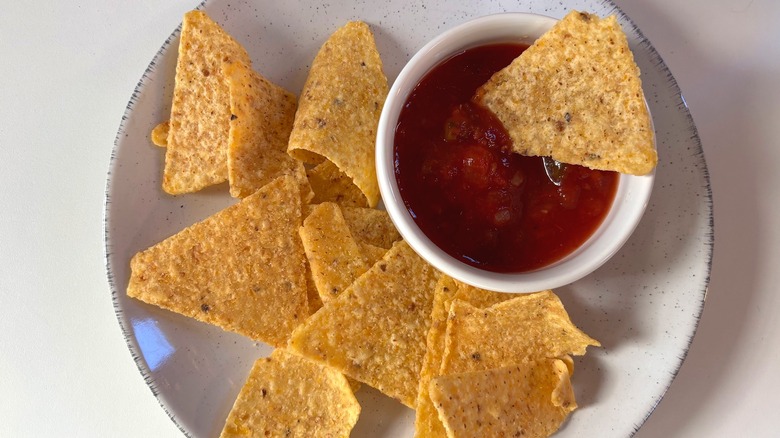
472	196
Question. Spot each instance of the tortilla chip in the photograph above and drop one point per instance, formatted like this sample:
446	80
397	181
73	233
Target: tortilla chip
160	134
375	330
371	226
332	185
563	392
566	359
307	209
261	111
314	300
427	423
287	395
371	253
527	400
526	327
196	156
367	225
261	119
481	298
241	269
335	258
340	105
575	95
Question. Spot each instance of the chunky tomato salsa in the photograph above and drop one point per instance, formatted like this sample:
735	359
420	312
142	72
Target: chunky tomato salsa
476	200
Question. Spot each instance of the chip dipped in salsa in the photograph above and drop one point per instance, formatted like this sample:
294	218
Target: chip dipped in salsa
472	196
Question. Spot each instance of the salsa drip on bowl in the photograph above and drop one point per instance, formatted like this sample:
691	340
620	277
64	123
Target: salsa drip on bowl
473	197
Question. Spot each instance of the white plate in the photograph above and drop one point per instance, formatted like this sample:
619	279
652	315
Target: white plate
643	305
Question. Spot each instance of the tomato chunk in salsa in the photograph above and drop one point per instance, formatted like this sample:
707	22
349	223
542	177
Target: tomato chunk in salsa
472	196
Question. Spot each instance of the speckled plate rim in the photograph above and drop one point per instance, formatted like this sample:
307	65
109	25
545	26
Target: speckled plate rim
124	324
699	152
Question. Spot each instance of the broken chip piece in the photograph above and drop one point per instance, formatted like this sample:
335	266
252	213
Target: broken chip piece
241	269
529	400
288	395
375	330
528	326
576	95
160	134
340	105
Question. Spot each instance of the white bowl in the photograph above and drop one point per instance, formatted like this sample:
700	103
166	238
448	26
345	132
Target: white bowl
631	198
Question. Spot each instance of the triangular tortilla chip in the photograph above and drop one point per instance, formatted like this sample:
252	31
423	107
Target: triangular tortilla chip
526	327
375	330
287	395
335	259
575	95
196	156
340	105
241	269
261	119
529	400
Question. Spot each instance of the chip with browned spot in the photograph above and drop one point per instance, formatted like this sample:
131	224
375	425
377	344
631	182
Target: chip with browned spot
288	395
196	155
241	269
375	330
576	95
530	400
339	107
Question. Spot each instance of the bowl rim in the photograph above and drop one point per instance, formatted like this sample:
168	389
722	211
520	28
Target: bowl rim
631	198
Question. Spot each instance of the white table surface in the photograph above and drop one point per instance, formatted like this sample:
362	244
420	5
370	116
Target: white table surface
67	70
